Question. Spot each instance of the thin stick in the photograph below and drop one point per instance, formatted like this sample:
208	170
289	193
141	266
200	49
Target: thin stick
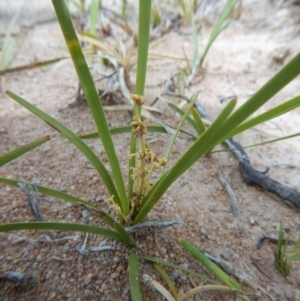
234	202
158	225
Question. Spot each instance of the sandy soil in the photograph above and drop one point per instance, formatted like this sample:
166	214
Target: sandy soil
244	57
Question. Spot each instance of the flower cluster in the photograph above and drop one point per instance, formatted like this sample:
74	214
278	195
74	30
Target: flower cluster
147	160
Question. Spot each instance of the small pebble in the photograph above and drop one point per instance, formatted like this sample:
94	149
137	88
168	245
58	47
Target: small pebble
115	275
87	279
185	265
163	251
48	274
85	214
175	275
252	220
88	293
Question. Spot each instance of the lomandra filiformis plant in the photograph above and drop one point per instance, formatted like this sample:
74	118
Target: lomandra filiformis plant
142	194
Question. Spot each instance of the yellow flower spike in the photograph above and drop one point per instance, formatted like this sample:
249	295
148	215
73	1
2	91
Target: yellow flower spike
132	155
139	127
120	213
138	99
163	161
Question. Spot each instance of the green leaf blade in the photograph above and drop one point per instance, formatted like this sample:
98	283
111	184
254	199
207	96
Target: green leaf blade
270	114
209	264
60	226
133	277
14	154
65	197
167	279
91	94
273	86
73	138
125	235
293	257
200	127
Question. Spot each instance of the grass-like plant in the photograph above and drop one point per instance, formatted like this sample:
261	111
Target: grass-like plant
283	258
224	283
134	203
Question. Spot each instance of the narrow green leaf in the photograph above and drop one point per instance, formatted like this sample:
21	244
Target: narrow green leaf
297	245
73	139
260	143
181	113
12	155
177	267
199	148
94	8
61	226
142	60
219	26
125	235
194	98
124	130
293	257
168	280
143	44
123	9
279	247
200	127
65	197
273	86
285	265
133	277
270	114
91	94
209	264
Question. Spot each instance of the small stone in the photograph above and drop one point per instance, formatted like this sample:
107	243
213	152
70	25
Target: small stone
163	251
87	294
95	179
87	279
252	220
175	275
48	274
85	214
185	265
115	275
63	275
